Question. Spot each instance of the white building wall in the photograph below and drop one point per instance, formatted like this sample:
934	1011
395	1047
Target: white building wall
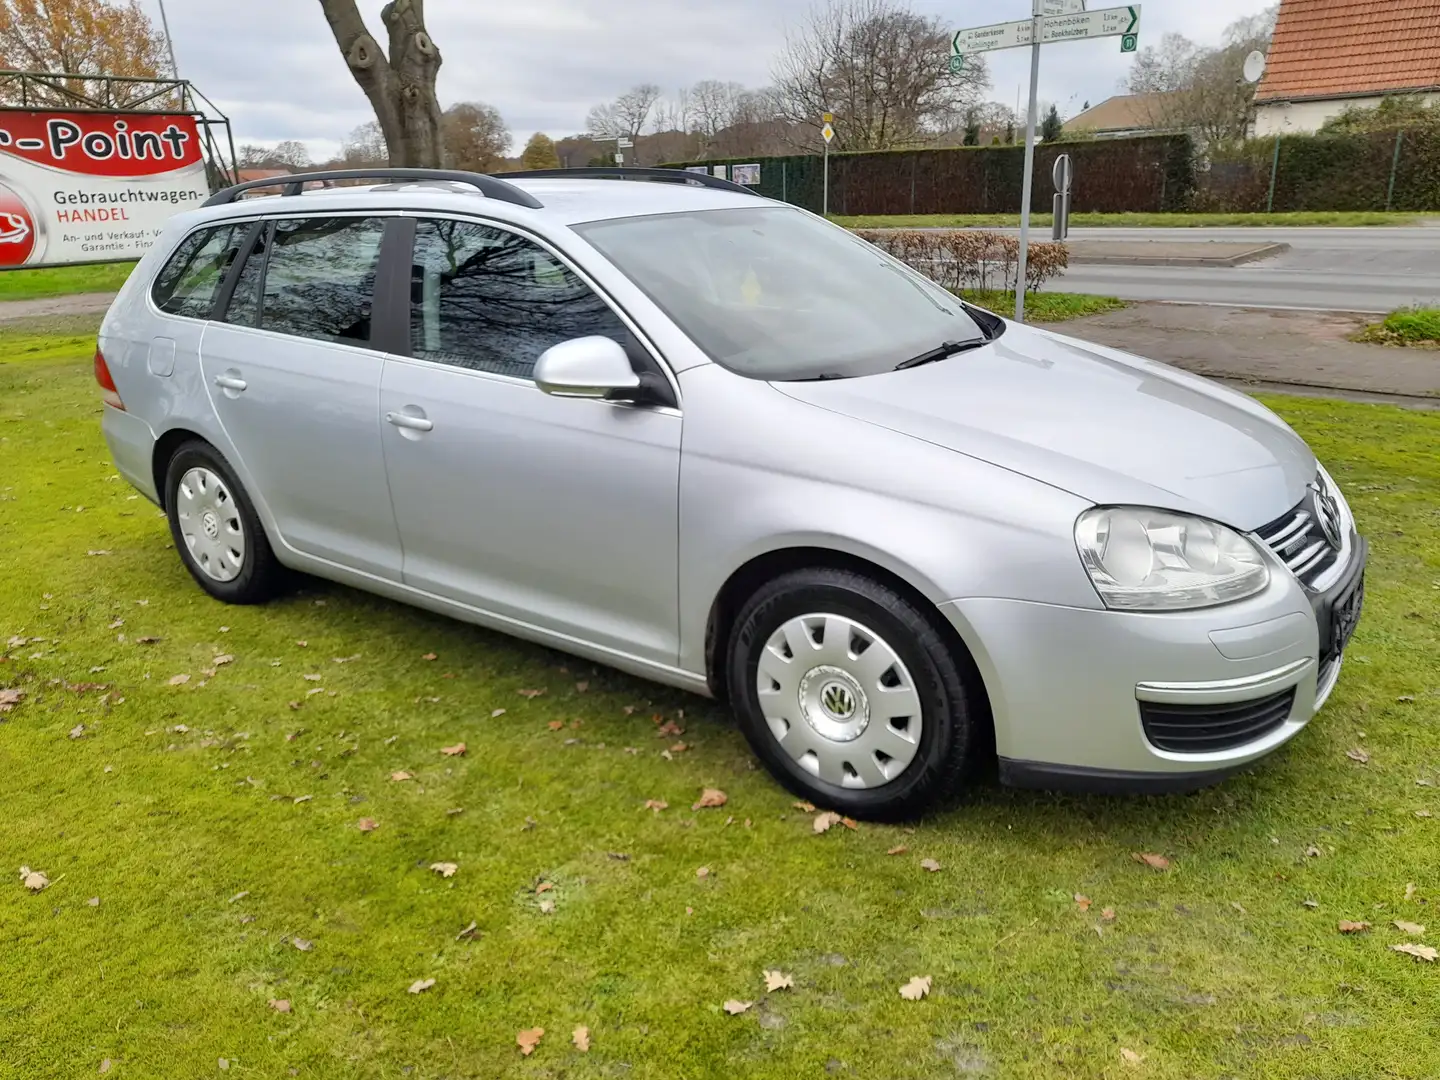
1307	117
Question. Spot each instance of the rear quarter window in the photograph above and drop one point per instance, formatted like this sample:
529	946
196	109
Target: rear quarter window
190	279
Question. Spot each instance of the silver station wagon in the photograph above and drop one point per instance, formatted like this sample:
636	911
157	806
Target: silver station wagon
718	442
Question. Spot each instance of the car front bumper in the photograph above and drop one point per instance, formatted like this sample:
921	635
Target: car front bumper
1081	696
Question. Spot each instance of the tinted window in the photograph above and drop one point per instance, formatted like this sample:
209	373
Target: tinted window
320	278
189	281
245	300
490	300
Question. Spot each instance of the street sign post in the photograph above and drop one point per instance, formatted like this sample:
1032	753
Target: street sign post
1062	172
827	133
1051	22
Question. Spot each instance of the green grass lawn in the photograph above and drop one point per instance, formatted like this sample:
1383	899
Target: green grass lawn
1045	307
1300	217
63	280
203	840
1408	326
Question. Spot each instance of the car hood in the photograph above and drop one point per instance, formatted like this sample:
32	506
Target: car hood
1105	425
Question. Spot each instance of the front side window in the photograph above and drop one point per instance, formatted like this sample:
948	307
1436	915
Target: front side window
188	282
489	300
774	293
319	279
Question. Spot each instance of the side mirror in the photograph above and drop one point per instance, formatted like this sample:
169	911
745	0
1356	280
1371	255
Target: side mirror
587	367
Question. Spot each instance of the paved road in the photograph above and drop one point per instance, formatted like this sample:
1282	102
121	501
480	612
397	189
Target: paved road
1335	269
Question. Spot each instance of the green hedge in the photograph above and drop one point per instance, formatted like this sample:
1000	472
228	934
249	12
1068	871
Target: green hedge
1327	172
1152	173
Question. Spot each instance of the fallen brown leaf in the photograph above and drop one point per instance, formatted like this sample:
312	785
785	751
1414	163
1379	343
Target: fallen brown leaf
528	1039
1082	902
302	944
679	748
222	660
807	807
496	712
400	775
1409	928
555	725
1423	814
917	988
581	1038
1156	862
822	822
147	640
1130	1057
735	1008
531	694
709	798
1410	890
1108	914
105	1066
581	687
669	727
547	906
656	804
78	731
280	1005
1314	905
849	823
898	849
178	680
453	751
33	880
778	980
1312	852
1238	906
1420	952
419	986
930	864
367	824
429	656
543	887
1357	755
444	869
1348	927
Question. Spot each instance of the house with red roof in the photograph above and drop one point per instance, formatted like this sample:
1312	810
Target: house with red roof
1331	55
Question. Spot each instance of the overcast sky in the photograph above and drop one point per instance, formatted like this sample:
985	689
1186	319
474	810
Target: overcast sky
273	67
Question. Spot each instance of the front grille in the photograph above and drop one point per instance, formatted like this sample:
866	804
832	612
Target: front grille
1199	729
1306	538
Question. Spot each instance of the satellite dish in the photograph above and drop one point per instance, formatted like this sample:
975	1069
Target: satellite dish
1254	66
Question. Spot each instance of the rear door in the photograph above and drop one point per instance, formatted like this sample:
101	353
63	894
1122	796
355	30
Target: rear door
294	374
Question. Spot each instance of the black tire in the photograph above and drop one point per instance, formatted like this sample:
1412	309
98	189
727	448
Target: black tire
260	572
940	680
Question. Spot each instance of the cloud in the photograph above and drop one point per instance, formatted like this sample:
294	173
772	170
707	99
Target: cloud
274	69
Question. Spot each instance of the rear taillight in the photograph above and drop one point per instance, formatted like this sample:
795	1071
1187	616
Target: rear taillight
108	393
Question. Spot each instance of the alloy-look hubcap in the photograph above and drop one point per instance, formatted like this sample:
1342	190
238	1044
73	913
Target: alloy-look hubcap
210	524
839	700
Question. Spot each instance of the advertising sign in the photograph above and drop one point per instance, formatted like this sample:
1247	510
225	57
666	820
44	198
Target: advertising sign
80	187
745	174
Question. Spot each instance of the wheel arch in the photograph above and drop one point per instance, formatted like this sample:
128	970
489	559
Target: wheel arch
165	447
750	576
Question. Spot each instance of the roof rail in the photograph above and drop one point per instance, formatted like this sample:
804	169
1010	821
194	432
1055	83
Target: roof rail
294	183
619	172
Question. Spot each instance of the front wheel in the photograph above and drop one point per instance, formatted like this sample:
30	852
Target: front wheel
849	694
215	527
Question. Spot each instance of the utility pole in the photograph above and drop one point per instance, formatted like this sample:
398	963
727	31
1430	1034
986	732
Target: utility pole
169	43
1027	184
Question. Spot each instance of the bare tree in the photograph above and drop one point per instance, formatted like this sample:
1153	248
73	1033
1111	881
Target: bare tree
365	146
715	105
875	65
476	137
400	82
626	115
291	152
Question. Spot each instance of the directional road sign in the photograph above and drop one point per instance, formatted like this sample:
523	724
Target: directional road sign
1061	7
1107	22
987	38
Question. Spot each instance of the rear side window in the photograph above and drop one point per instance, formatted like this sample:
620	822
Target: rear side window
320	278
490	300
187	284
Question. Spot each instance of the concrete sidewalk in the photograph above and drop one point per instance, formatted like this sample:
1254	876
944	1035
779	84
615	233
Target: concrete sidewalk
1283	349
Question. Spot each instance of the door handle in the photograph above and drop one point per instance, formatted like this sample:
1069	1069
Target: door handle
404	420
230	382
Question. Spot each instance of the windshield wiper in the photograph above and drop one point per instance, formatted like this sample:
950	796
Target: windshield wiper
941	351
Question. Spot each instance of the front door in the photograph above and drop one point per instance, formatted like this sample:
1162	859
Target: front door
557	513
295	383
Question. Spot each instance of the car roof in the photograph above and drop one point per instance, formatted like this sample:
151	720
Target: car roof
565	201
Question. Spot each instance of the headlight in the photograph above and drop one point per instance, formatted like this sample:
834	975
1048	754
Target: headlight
1151	560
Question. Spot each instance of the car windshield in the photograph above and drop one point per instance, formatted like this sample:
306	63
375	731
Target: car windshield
774	293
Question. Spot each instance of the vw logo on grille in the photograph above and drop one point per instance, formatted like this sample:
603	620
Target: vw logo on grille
838	701
1327	513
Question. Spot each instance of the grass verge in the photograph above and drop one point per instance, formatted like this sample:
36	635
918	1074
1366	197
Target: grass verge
204	846
1294	218
1408	326
1048	307
49	281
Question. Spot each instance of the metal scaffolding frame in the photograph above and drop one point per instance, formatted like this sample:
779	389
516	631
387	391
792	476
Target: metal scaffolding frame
123	93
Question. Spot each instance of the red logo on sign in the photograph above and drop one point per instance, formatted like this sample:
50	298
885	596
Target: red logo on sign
17	229
102	144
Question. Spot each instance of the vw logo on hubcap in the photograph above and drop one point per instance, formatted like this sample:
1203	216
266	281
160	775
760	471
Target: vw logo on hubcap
211	524
838	701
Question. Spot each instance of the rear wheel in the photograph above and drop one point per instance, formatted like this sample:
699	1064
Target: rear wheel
215	527
849	694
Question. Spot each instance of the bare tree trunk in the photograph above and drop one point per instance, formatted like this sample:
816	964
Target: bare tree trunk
400	86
